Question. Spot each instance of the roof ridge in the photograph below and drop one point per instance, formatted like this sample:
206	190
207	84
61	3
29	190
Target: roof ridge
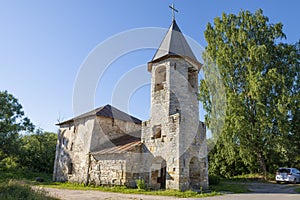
105	111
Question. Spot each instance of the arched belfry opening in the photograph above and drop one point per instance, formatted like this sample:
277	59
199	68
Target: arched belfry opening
160	78
194	172
158	173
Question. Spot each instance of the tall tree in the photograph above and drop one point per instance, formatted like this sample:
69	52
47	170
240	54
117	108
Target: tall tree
12	122
260	74
38	151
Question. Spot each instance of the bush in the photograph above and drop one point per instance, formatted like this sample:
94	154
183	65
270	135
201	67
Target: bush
141	185
214	180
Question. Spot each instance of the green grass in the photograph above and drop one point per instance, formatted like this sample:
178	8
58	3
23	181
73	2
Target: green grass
230	186
22	174
13	190
297	190
15	184
125	190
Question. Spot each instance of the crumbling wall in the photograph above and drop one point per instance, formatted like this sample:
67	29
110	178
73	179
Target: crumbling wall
74	140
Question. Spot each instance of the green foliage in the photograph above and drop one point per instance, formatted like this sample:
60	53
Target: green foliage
20	147
141	185
12	122
16	190
38	151
22	174
260	75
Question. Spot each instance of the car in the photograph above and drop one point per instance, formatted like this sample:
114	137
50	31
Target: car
291	175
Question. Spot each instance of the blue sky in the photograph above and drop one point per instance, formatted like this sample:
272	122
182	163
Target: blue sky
44	43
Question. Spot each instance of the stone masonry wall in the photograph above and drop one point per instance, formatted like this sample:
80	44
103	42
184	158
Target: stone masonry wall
116	169
77	139
182	141
72	149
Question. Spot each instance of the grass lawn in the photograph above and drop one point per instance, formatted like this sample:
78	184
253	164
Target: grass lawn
230	187
125	190
15	184
13	190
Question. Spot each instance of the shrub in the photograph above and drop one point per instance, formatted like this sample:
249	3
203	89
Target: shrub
141	185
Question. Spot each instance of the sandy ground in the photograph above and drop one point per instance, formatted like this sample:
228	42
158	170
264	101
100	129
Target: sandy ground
259	191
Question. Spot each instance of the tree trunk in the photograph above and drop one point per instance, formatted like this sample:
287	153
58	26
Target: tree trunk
262	163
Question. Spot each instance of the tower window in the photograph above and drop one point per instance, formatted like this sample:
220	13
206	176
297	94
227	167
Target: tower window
70	168
160	78
156	131
192	78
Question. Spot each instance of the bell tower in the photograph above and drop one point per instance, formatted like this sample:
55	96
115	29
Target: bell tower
174	136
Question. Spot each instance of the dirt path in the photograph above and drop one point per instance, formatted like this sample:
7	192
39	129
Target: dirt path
259	191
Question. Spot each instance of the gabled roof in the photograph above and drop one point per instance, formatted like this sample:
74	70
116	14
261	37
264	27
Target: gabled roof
173	44
106	111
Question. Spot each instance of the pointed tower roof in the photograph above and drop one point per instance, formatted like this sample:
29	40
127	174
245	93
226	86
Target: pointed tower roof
174	44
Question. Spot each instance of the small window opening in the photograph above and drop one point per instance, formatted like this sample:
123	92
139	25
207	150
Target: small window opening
70	170
192	78
156	131
160	78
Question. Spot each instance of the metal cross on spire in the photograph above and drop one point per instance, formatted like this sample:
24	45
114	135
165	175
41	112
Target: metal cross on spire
173	9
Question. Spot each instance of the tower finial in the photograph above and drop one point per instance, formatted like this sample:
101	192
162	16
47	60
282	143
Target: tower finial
173	11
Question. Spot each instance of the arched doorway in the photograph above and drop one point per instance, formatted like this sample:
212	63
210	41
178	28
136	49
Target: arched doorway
158	173
194	172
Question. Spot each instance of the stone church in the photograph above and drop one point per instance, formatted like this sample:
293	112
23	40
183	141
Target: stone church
107	146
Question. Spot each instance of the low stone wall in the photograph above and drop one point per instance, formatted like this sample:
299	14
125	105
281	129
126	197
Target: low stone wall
116	169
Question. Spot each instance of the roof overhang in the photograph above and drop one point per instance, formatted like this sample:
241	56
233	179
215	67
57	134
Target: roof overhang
197	65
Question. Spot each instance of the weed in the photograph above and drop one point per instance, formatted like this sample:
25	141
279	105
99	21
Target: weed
141	185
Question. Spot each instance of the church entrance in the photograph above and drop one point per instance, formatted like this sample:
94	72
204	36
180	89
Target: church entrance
194	172
158	173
